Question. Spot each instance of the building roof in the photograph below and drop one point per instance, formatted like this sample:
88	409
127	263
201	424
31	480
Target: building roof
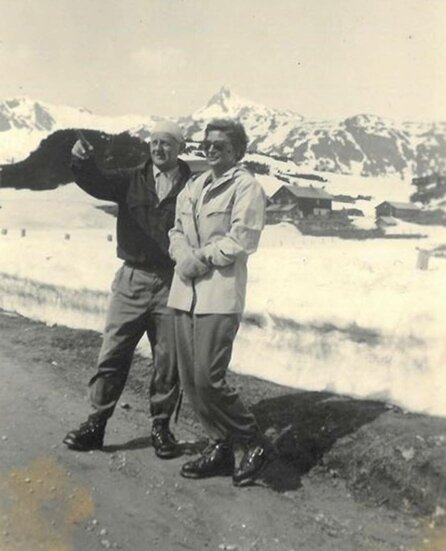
306	192
402	206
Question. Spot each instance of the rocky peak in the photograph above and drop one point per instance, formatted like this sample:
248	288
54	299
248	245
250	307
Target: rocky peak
221	98
25	113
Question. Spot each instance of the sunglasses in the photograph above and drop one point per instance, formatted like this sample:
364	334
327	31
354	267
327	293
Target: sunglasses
220	146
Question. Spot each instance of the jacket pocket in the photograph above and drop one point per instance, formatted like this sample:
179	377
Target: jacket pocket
217	222
219	213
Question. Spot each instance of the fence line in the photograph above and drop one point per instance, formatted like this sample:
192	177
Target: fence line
24	232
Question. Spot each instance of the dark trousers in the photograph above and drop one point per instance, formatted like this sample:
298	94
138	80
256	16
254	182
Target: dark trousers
204	348
137	306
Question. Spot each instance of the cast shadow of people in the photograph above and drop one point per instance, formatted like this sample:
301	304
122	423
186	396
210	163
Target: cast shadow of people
303	427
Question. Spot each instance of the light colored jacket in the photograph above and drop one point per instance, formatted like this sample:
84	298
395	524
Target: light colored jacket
223	219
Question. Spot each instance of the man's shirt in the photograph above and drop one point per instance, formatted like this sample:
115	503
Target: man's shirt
165	181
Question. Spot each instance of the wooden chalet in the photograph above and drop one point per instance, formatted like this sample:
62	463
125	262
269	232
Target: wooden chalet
308	200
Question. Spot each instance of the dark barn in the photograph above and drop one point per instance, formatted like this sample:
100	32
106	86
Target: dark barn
405	211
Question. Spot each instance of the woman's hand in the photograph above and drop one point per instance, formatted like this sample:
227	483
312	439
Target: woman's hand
190	266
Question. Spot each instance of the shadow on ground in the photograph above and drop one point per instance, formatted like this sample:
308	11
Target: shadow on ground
304	426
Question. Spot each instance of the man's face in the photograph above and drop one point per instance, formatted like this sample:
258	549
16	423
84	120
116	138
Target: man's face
219	151
164	150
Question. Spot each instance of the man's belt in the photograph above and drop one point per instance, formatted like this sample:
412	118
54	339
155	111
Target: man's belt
148	266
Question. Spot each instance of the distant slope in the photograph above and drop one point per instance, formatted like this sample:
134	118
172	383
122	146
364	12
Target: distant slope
24	123
364	144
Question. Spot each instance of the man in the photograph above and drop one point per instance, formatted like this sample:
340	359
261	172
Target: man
218	222
146	198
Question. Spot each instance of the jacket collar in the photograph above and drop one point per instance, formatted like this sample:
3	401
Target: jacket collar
203	180
172	174
150	168
184	174
146	192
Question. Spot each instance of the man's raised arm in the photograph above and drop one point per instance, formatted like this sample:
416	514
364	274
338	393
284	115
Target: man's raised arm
109	185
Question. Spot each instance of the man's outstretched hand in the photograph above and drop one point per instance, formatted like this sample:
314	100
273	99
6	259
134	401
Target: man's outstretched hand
82	149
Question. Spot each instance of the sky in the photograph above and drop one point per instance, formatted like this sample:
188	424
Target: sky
323	59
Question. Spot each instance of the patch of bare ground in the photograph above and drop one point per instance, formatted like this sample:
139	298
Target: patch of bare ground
346	474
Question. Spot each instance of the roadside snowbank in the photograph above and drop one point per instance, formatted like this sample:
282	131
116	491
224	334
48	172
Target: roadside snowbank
354	317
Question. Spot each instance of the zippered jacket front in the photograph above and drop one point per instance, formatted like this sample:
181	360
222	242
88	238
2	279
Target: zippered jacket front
223	219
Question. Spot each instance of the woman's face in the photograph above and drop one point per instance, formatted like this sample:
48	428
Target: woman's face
219	151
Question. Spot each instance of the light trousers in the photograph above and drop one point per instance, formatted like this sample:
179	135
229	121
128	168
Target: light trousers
204	348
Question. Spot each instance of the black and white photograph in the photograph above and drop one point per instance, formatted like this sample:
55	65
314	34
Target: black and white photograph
223	275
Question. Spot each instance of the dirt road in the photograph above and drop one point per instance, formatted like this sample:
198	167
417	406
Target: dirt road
123	497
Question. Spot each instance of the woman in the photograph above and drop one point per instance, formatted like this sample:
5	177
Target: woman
218	221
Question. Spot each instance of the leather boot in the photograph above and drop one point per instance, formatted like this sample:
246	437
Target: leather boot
216	460
163	441
251	465
89	436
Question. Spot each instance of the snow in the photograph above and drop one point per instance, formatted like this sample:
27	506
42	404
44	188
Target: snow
269	183
66	207
66	116
380	189
352	317
369	323
17	143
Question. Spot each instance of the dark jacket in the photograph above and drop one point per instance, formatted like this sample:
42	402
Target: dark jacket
143	222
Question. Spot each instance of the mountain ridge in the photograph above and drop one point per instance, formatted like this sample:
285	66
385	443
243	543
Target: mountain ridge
364	144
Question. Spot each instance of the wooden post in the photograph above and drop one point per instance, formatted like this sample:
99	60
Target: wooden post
423	259
23	233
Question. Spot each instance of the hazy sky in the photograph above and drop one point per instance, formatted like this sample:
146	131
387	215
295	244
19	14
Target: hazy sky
320	58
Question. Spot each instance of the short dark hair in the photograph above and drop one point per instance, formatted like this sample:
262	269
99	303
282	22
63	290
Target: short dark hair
235	132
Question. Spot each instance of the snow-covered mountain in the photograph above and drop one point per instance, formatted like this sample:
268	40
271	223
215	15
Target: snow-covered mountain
258	120
266	127
24	123
364	144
